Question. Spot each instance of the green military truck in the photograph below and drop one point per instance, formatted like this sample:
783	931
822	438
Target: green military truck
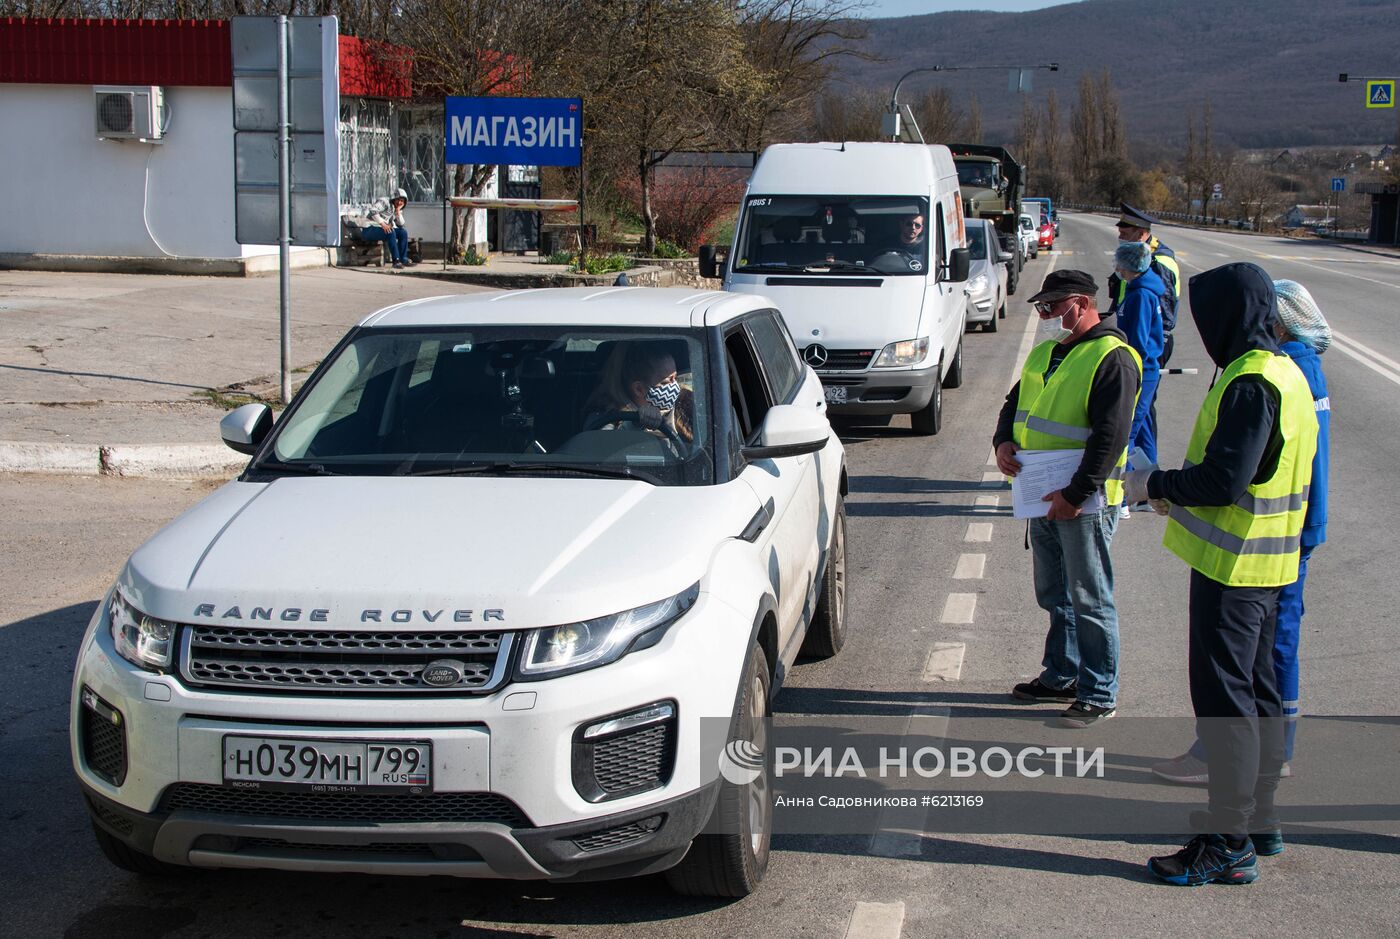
992	184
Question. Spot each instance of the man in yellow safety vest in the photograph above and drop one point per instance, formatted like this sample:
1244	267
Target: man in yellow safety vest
1077	391
1236	513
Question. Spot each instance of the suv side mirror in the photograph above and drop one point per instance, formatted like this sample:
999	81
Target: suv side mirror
712	260
959	263
789	430
245	428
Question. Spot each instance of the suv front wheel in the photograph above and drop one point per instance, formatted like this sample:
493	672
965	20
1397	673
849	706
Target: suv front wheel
827	633
732	862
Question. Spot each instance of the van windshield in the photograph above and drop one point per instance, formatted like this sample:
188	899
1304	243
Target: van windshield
886	235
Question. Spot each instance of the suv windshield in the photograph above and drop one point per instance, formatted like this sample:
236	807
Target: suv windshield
834	235
504	400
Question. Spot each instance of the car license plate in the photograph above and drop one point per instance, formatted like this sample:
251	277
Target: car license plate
835	394
327	765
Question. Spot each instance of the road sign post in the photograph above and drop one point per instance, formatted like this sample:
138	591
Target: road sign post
286	94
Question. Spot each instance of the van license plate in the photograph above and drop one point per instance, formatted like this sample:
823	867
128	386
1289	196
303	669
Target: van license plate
835	394
327	765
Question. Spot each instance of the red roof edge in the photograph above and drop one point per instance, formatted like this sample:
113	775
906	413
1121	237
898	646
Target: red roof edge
169	52
372	69
114	52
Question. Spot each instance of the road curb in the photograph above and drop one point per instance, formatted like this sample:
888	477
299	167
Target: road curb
142	461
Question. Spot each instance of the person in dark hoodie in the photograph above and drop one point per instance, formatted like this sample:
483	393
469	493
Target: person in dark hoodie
1077	392
1236	512
1305	335
1140	319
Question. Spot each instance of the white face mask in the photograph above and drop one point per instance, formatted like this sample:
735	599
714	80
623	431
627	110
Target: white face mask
1052	330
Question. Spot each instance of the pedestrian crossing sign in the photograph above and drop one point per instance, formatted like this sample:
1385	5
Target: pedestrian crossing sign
1380	94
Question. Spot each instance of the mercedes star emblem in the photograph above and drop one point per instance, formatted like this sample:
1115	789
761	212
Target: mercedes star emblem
815	355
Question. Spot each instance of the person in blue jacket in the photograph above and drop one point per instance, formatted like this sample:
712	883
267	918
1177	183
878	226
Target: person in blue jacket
1140	319
1303	335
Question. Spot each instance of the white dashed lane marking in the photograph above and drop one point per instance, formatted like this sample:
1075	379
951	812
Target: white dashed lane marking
970	567
978	531
960	608
876	921
901	828
987	502
992	479
945	659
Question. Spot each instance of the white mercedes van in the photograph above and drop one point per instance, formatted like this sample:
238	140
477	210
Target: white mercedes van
863	248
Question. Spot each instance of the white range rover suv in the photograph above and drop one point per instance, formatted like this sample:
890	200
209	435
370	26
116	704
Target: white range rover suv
470	604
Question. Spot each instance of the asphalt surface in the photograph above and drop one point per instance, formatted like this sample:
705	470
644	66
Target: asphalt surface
910	508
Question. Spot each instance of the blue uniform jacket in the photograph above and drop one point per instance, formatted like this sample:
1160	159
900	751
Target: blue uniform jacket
1140	319
1308	361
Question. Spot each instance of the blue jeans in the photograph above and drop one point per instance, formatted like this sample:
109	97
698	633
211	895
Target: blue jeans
1074	584
397	238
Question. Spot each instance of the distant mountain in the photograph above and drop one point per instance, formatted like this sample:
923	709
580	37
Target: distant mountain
1269	67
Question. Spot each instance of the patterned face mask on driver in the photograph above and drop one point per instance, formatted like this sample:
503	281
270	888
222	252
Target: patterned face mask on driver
665	395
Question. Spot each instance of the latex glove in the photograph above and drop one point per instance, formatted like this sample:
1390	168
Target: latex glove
1006	459
1135	486
1160	506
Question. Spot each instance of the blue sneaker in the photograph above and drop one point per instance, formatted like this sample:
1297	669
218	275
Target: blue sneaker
1267	843
1207	859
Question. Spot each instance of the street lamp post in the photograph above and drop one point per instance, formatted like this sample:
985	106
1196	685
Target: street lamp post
891	124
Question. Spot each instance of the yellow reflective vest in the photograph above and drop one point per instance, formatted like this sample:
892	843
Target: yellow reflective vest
1054	414
1254	541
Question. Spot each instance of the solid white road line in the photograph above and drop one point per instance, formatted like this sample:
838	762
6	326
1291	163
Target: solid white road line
1347	348
970	567
978	531
876	921
945	659
960	608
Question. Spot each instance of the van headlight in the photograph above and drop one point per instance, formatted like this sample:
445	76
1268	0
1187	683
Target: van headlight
142	640
908	352
978	284
558	650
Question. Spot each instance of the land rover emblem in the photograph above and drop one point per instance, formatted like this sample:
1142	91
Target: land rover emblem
443	673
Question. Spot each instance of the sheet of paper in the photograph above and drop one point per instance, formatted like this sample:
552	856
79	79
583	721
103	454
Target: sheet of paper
1043	472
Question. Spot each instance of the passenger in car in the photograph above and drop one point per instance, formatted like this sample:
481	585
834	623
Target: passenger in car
640	389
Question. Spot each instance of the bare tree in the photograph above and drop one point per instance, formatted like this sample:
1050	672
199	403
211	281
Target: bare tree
939	118
1052	159
1027	133
973	129
847	116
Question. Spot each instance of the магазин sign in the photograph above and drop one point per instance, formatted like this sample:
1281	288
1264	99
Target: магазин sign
514	131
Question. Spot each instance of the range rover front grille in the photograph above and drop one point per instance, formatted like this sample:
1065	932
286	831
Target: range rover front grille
344	807
339	661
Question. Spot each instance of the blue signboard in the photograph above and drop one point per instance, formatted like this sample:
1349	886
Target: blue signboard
515	131
1339	184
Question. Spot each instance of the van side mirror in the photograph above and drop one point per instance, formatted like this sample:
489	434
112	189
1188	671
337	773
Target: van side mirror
712	260
245	428
959	263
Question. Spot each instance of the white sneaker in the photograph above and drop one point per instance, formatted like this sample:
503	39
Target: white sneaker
1123	511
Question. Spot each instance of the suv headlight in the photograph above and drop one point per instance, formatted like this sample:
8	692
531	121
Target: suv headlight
142	640
558	650
908	352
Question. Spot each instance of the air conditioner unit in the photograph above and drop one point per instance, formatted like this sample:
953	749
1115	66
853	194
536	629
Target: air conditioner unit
129	112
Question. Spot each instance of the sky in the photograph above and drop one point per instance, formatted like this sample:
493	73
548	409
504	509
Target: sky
879	8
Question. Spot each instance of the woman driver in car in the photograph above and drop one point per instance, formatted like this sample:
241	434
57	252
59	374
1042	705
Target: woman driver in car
640	389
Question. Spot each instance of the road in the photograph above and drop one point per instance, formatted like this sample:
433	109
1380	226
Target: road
920	513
